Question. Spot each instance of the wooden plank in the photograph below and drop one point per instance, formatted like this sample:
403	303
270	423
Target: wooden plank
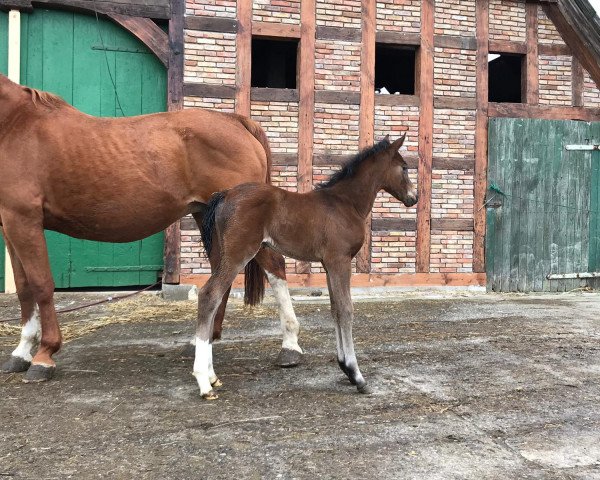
398	38
148	33
393	225
554	50
367	110
243	57
159	9
211	24
337	97
172	253
455	103
458	42
367	280
274	94
452	224
481	134
275	30
285	159
519	110
397	100
507	46
423	242
531	80
343	34
306	104
466	164
207	90
577	77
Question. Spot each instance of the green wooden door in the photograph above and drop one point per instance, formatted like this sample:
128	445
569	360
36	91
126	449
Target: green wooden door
542	210
79	58
4	70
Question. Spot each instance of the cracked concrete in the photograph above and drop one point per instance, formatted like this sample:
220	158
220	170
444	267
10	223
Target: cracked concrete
466	386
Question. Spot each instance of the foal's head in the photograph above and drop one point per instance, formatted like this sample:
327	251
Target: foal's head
396	181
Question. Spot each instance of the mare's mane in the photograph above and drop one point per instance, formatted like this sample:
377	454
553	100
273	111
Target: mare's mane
45	98
350	168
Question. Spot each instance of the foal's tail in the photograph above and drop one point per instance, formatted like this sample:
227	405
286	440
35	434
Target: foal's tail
254	275
257	132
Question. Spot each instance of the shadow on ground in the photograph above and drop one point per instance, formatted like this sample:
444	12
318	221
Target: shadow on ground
473	387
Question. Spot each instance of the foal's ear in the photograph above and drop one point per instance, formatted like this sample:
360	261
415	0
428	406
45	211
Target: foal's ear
398	143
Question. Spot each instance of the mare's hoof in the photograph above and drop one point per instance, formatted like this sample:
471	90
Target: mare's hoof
216	383
365	389
38	373
189	351
210	395
15	364
288	358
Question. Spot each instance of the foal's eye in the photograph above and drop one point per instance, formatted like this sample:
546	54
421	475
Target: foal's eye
405	169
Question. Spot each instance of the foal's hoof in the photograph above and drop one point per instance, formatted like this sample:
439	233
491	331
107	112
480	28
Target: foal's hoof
38	373
365	389
15	364
347	372
212	395
189	351
217	383
288	358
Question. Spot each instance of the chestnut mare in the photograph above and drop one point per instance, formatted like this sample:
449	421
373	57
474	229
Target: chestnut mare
326	225
114	180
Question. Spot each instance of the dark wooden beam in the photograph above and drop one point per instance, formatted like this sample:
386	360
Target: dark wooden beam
553	49
519	110
507	46
211	24
343	34
147	32
366	130
425	93
409	225
159	9
577	78
337	97
455	103
397	100
532	73
172	255
274	94
243	57
451	41
275	30
481	135
398	38
306	104
285	159
208	90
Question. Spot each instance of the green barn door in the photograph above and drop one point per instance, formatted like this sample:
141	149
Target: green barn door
79	58
3	70
542	204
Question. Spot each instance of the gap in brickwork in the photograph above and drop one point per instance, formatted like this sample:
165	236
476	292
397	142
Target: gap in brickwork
505	77
274	63
395	68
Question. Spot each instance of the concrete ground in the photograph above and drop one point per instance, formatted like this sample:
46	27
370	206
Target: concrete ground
466	386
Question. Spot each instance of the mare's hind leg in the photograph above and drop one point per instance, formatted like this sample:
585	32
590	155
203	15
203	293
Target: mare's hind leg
20	359
274	265
338	281
25	234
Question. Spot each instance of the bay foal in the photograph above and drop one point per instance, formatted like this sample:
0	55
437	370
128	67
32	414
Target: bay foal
326	225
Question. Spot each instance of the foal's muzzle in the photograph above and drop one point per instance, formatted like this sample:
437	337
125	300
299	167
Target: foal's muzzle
411	200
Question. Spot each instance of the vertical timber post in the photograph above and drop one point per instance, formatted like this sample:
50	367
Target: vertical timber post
14	74
243	49
481	135
367	110
306	105
423	245
172	253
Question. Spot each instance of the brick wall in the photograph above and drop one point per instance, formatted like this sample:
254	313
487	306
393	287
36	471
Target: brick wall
393	252
454	72
337	65
209	58
455	17
399	15
336	128
591	94
451	251
211	8
507	20
280	121
277	11
555	80
547	32
339	13
453	133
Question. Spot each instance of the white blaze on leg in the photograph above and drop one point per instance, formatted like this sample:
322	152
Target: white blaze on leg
30	337
289	324
203	365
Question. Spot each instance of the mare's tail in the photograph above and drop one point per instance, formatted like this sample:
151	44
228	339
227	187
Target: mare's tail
254	275
257	132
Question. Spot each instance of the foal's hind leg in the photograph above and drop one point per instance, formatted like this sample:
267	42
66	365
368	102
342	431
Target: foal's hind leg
25	234
338	281
274	265
31	329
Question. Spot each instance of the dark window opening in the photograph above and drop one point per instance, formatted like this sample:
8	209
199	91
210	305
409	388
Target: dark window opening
505	77
395	69
274	63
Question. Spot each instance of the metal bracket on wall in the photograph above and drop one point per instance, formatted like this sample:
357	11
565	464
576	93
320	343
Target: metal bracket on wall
582	147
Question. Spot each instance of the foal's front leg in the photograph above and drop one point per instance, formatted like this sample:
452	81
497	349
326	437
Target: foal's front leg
338	282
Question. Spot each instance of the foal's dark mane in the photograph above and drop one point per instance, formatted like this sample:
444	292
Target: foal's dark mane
349	169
